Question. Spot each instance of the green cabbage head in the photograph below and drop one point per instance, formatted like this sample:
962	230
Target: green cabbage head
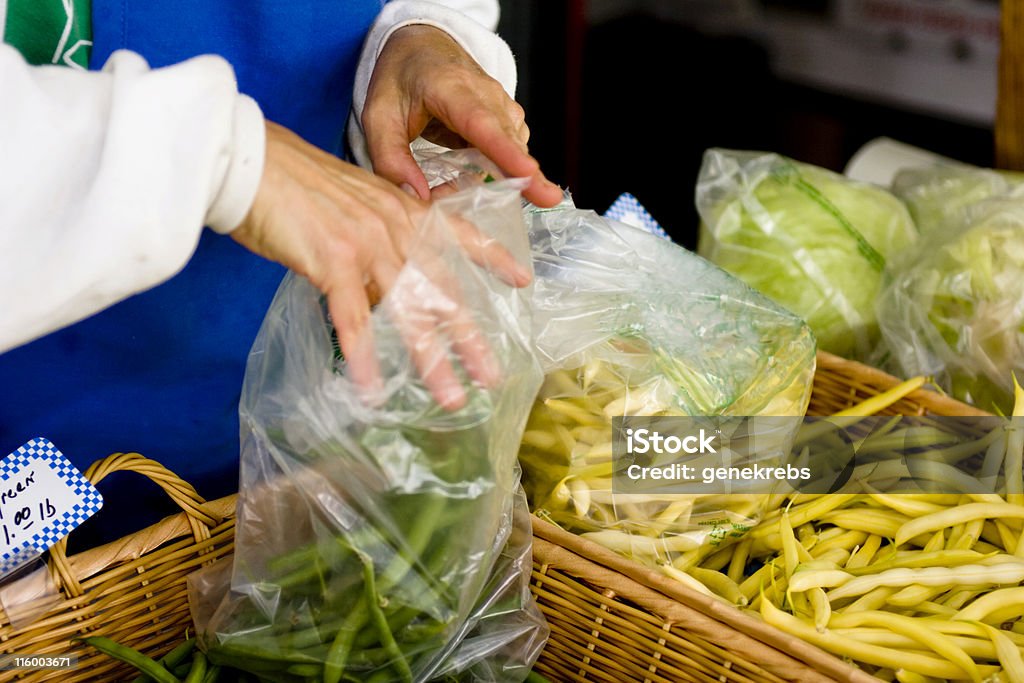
810	239
953	306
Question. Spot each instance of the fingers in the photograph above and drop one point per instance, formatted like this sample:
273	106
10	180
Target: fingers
387	138
490	121
350	309
488	253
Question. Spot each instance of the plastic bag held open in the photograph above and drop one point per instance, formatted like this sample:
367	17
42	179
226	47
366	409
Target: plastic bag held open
386	539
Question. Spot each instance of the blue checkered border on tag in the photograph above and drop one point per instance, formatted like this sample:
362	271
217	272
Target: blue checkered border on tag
90	501
627	209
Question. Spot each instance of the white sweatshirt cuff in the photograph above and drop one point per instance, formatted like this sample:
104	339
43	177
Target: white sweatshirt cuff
488	50
244	162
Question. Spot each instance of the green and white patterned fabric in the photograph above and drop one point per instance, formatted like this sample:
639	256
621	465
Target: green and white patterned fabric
48	31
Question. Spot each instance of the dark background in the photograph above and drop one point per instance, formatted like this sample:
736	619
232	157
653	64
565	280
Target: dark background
632	103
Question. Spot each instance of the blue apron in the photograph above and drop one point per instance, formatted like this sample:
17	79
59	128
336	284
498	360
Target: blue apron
161	372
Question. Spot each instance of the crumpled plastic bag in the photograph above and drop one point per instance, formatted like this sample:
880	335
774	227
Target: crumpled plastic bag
812	240
629	324
953	306
385	538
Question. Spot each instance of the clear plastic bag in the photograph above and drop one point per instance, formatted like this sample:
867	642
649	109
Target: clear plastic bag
953	307
385	539
627	323
812	240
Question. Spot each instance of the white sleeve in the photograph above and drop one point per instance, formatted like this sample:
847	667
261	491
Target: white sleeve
470	23
107	178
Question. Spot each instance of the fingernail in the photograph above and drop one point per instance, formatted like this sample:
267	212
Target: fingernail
523	274
409	190
453	397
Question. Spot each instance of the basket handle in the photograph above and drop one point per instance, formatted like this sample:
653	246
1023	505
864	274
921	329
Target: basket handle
200	518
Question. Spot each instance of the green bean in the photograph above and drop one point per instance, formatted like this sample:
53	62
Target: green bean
387	638
171	659
338	654
303	670
416	542
212	674
534	677
126	654
198	671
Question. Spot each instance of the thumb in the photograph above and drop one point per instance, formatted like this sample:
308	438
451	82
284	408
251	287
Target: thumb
388	145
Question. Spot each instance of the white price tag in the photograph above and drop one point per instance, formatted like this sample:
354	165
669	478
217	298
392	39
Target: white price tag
43	497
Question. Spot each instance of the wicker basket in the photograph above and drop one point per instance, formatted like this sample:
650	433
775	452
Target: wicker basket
611	619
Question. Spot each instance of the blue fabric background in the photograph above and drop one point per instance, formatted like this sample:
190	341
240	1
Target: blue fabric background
161	372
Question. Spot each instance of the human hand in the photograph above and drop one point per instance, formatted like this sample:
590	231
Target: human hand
346	231
425	84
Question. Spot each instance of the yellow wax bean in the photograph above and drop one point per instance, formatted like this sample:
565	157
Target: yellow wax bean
801	514
685	579
932	608
1009	655
789	545
904	676
871	600
871	654
957	598
580	496
561	383
935	543
990	602
542	440
912	596
719	559
979	648
863	555
572	412
822	608
883	522
846	539
1013	465
957	515
738	561
973	629
720	584
836	556
904	505
762	577
918	630
997	532
965	575
969	535
620	541
692	558
883	400
817	578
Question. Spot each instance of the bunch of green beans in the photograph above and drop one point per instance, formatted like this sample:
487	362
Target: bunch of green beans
186	664
378	577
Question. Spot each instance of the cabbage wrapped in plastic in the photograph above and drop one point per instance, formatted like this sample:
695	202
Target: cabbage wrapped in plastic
954	306
810	239
938	196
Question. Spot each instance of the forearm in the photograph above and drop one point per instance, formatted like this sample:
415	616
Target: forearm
107	179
